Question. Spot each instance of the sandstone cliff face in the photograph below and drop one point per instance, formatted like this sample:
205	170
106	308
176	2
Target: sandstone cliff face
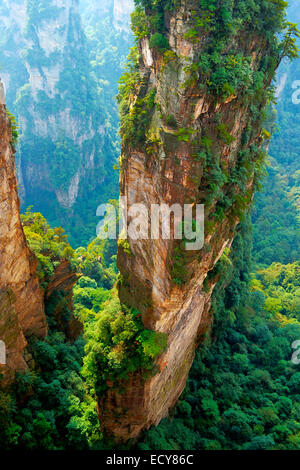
66	150
63	280
21	299
165	170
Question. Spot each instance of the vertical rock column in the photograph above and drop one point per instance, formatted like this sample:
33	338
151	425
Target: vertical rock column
21	298
200	146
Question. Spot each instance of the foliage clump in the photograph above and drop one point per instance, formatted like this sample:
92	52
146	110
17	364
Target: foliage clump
159	41
49	245
118	345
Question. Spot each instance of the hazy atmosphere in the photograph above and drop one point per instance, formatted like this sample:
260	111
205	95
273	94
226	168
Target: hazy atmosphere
149	226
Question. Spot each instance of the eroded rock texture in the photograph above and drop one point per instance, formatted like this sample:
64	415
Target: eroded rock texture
21	298
198	148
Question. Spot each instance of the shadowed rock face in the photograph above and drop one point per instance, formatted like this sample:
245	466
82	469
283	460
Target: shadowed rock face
65	144
21	298
63	280
167	172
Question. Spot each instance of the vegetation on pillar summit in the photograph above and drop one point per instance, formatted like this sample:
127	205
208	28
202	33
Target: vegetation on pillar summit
14	130
222	70
50	246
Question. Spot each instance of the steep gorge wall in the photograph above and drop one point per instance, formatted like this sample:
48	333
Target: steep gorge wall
21	298
117	10
67	151
199	141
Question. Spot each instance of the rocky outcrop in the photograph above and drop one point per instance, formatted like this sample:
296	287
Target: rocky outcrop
2	94
21	298
191	135
63	281
66	151
13	338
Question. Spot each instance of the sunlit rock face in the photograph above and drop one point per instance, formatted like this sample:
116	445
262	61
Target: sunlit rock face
66	148
117	10
21	298
166	171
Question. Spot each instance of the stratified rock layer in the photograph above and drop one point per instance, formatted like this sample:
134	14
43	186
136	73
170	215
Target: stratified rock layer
21	298
169	167
66	149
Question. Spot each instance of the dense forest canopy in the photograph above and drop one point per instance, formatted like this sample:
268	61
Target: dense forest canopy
243	392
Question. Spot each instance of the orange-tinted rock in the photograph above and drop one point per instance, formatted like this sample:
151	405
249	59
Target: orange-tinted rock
63	280
21	305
